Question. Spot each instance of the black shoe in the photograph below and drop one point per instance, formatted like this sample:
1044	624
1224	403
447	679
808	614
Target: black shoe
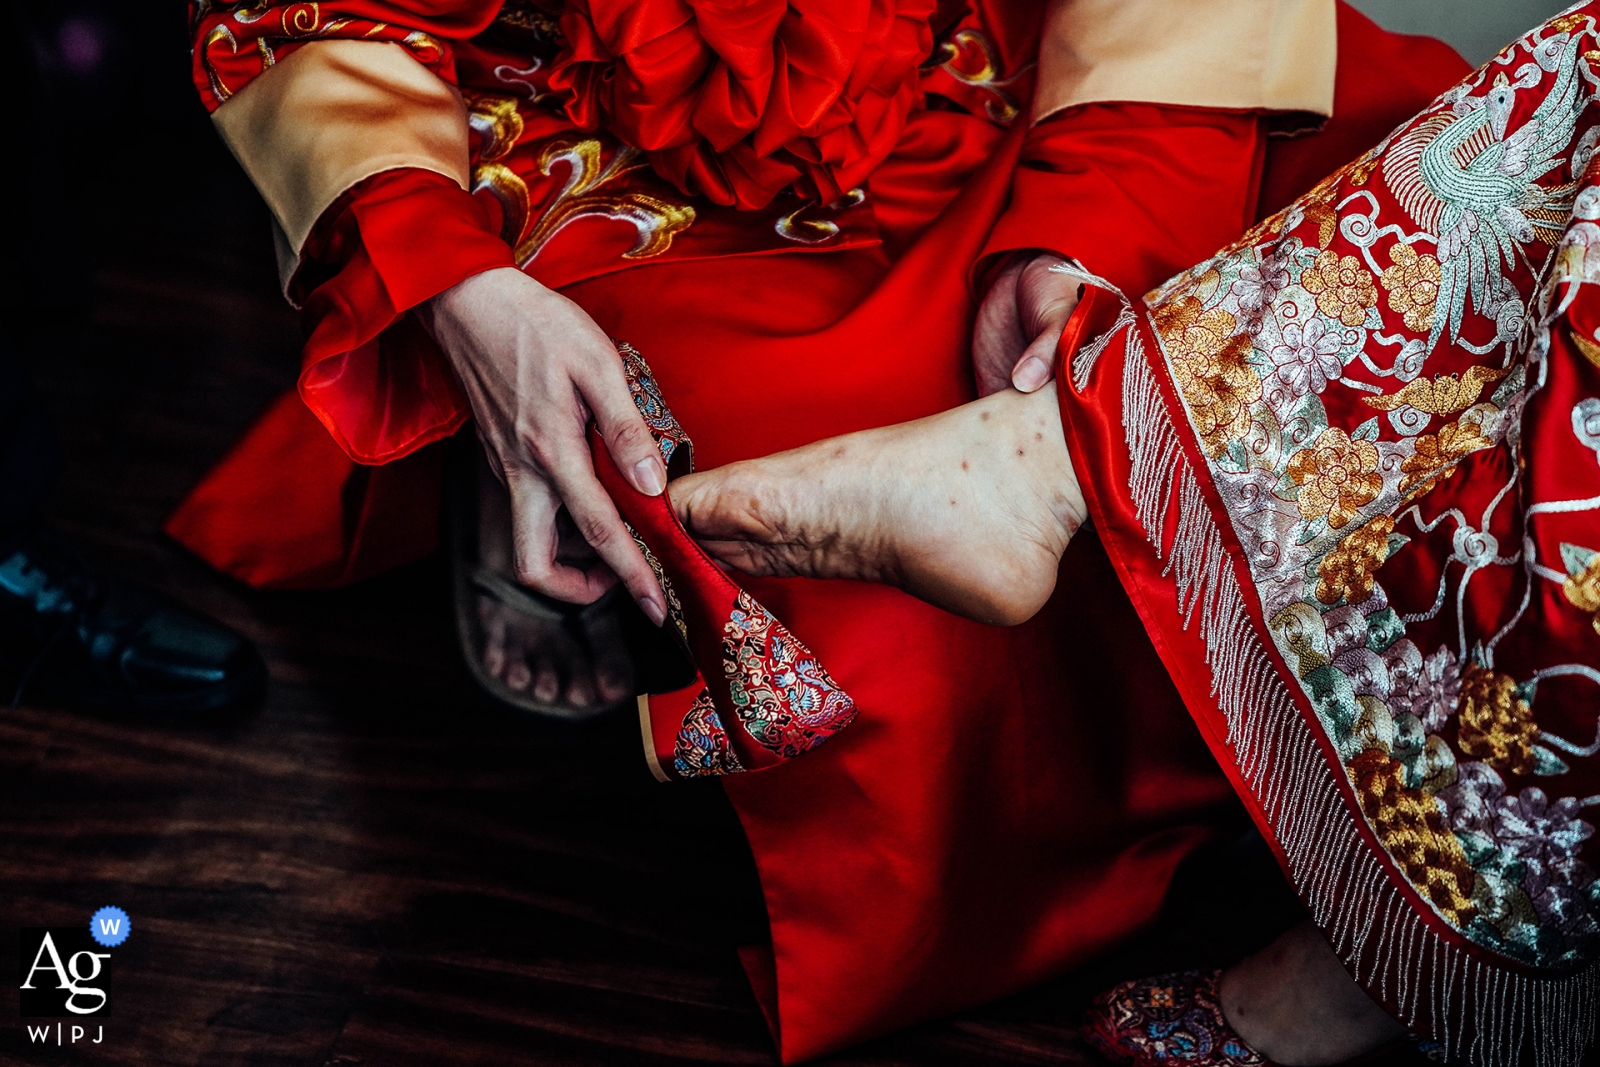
95	642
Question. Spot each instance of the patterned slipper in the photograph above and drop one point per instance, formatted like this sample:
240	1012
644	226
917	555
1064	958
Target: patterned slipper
1166	1020
762	697
1176	1019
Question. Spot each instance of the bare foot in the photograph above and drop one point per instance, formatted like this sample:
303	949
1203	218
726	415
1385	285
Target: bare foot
539	654
1294	1003
969	509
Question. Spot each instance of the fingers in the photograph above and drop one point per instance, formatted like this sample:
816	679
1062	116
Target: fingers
535	545
534	503
997	337
1045	301
1037	365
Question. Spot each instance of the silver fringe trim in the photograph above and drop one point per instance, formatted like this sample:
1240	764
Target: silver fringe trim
1486	1015
1084	359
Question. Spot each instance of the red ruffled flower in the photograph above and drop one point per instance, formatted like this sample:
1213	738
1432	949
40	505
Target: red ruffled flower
737	100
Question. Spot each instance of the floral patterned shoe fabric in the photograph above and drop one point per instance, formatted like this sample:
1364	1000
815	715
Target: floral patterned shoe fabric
762	698
1169	1019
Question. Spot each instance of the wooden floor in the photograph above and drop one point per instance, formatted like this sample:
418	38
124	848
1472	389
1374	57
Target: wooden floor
371	867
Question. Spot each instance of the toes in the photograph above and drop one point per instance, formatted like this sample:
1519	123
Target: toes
546	681
613	684
580	689
725	503
491	616
541	658
517	675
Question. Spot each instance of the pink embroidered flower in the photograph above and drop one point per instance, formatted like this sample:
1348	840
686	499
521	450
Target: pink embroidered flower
1531	828
1434	691
1545	837
1308	358
1257	287
1470	804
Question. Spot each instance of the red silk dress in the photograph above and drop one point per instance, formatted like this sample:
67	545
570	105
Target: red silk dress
1008	803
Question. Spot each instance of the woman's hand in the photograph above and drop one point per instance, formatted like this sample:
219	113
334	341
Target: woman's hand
535	368
1019	322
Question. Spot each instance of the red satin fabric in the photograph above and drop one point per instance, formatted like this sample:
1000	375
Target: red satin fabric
736	101
1009	803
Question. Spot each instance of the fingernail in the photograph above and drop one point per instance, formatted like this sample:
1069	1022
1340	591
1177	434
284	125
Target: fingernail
649	476
1030	374
654	610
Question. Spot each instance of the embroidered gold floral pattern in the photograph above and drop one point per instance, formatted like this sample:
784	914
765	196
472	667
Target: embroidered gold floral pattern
1496	722
1582	587
1360	171
1414	297
1582	590
1443	395
1342	286
1209	366
1411	825
1426	467
1346	572
1337	476
1318	208
1413	286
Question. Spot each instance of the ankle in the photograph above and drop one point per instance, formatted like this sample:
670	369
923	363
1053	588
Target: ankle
1294	1003
1041	443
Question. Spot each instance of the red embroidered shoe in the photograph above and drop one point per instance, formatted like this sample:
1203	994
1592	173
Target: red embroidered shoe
1176	1020
1167	1020
762	697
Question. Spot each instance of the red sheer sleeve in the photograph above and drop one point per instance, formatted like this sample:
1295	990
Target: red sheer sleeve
370	374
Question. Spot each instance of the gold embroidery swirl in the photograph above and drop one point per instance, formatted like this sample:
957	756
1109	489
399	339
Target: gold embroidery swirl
218	33
496	121
657	221
953	57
